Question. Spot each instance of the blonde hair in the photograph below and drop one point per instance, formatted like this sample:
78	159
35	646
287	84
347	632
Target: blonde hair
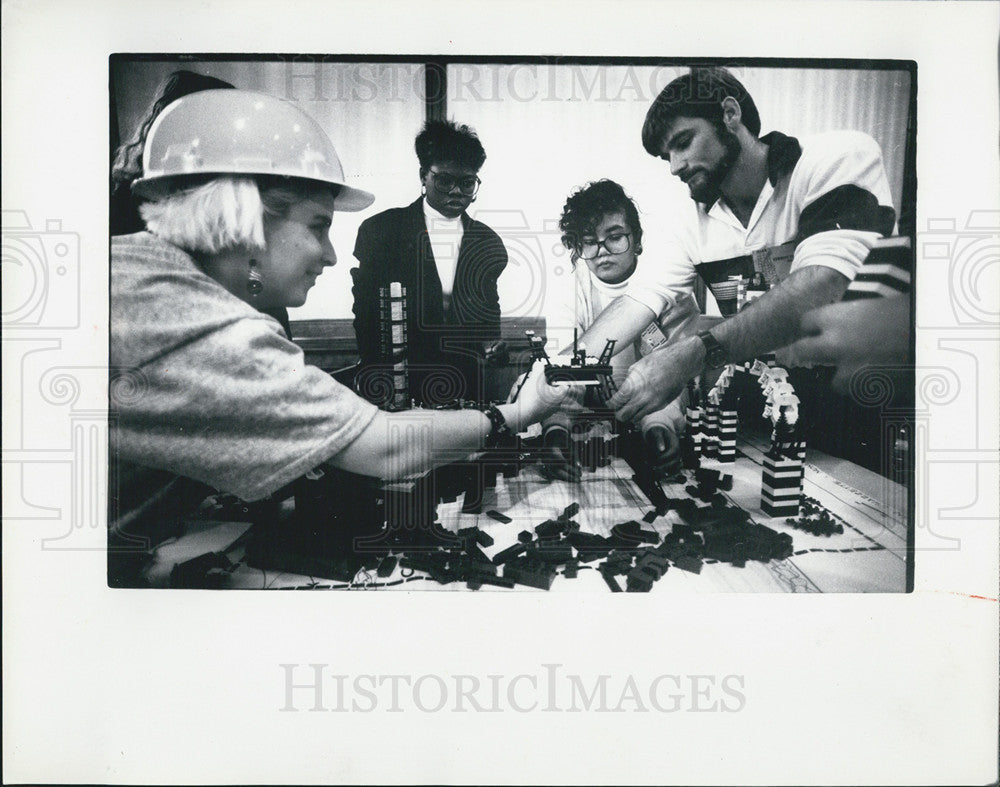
225	213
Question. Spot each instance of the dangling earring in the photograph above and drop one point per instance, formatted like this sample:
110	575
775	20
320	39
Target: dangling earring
255	282
423	190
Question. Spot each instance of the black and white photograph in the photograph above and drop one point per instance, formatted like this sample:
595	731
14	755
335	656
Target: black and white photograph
613	384
486	390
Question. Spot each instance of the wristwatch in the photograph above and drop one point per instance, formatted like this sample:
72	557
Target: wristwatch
715	353
499	433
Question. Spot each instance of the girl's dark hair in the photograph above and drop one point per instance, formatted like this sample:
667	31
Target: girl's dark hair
586	207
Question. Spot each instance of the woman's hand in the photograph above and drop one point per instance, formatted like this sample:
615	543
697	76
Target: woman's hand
537	400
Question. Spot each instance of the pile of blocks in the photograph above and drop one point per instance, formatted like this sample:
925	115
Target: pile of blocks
816	520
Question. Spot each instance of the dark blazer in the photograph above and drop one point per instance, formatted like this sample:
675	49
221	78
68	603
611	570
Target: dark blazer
445	346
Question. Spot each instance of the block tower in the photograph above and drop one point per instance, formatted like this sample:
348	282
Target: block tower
781	479
392	336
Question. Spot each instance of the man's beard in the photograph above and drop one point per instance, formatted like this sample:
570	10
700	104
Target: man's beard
709	187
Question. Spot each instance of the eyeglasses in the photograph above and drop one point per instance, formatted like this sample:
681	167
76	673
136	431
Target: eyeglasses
444	183
616	243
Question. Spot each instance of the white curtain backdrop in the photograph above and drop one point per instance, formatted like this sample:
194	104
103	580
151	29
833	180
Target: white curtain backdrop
550	129
546	128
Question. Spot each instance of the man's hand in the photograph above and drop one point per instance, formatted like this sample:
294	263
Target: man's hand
855	334
657	379
664	450
557	464
557	461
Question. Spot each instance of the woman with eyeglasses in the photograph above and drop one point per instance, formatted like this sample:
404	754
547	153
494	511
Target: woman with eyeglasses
601	228
449	264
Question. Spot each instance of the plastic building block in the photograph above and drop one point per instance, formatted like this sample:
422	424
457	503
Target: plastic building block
509	553
474	552
532	573
483	539
589	546
502	582
618	562
706	477
609	579
691	563
386	566
649	567
499	517
632	533
554	553
473	535
638	581
551	527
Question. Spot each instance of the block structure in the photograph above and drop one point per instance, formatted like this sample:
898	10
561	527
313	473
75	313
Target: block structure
781	479
728	423
710	430
393	342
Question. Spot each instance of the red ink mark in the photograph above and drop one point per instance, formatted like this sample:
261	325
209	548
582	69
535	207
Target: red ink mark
970	595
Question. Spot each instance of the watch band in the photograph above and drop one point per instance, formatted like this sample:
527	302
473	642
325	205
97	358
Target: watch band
715	353
499	430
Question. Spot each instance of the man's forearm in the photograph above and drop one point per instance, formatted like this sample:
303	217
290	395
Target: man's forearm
623	320
773	320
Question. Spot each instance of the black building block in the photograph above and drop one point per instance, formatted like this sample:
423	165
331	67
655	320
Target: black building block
570	511
386	566
551	553
509	553
691	563
550	527
530	572
609	579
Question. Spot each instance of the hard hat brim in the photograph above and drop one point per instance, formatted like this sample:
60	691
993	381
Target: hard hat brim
348	200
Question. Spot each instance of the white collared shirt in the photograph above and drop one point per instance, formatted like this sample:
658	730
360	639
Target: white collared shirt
828	160
445	236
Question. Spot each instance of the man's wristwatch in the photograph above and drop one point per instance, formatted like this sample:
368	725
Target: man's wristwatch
715	353
500	433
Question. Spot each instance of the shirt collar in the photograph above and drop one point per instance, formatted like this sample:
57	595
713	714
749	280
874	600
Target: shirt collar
435	216
783	153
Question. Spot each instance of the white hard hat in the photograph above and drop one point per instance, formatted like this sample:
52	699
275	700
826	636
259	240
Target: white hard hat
240	132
